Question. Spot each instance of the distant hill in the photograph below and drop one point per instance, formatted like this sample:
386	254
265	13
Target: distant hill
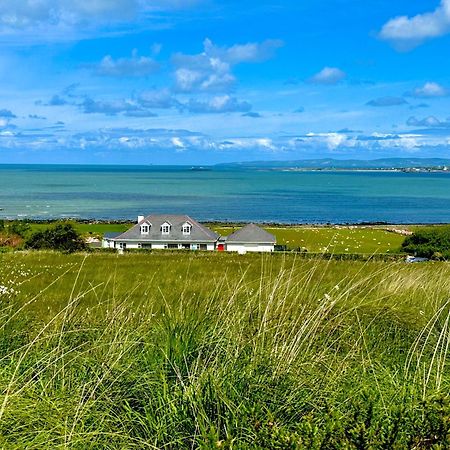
327	163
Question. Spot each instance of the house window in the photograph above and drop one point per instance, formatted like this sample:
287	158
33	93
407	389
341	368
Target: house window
145	229
186	228
165	228
123	245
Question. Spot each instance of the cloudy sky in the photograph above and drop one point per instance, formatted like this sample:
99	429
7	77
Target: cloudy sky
205	81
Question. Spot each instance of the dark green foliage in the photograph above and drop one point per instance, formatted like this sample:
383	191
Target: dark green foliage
17	227
20	228
61	237
429	243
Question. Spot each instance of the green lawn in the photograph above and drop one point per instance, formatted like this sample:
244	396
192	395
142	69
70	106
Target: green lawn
207	350
334	239
337	240
97	229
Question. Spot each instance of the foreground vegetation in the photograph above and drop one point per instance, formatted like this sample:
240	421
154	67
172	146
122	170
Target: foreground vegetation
331	239
429	242
341	240
222	351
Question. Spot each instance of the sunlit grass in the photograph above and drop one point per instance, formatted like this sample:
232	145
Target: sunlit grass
344	240
203	350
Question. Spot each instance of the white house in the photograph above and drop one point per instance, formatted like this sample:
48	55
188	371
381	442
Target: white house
164	232
174	232
250	238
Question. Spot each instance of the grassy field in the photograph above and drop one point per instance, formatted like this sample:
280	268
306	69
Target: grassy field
333	239
367	240
97	229
181	351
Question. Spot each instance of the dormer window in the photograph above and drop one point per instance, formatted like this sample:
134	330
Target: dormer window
165	228
186	228
145	228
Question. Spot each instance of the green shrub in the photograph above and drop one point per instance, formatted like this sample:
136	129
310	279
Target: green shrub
61	237
20	228
429	243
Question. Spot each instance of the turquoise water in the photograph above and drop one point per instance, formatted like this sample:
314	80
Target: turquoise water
100	192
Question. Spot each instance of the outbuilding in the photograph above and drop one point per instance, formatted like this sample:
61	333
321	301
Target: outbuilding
250	238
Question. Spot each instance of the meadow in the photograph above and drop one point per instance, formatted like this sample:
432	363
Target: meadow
206	350
350	239
332	239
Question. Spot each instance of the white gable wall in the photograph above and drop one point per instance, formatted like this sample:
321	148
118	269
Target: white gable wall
107	243
245	248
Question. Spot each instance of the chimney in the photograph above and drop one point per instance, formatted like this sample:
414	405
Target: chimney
140	218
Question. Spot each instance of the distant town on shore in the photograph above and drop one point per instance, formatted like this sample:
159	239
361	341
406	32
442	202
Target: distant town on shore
407	165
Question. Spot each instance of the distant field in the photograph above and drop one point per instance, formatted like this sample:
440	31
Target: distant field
333	240
208	350
339	240
91	228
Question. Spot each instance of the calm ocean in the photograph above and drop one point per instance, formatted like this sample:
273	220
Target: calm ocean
114	192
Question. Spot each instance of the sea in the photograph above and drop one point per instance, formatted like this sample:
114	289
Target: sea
223	194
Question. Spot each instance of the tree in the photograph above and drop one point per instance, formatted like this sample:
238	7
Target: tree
431	243
20	228
61	237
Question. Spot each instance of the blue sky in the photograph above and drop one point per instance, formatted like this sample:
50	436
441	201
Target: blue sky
206	81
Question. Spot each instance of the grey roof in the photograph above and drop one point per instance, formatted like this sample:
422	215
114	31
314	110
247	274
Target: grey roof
111	235
199	233
252	234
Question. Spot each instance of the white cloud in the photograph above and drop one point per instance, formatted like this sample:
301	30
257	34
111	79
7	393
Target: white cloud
26	13
328	75
136	66
428	122
429	90
211	70
161	99
177	143
179	140
218	104
331	140
66	19
248	53
406	33
110	108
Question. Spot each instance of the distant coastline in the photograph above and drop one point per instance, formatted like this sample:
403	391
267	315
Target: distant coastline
445	169
415	165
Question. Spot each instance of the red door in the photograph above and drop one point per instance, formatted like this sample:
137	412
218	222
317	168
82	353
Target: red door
220	247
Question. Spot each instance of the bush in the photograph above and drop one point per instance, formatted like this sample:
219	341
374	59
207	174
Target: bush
19	228
433	243
61	237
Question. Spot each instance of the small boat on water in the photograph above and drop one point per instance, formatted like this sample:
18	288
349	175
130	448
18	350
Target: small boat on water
200	169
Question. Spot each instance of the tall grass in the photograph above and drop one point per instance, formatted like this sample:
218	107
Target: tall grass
175	351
